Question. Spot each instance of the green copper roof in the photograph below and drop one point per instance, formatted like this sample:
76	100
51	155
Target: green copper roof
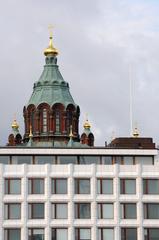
51	87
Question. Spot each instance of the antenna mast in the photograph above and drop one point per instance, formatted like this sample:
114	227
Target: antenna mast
131	99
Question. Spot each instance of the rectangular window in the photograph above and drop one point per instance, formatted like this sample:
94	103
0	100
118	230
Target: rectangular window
59	210
82	186
83	210
21	159
12	210
36	210
59	234
127	186
12	186
89	160
105	210
44	160
128	160
4	159
59	186
107	160
128	210
145	160
150	186
128	233
151	210
12	234
82	234
36	186
35	234
151	233
105	186
105	234
67	159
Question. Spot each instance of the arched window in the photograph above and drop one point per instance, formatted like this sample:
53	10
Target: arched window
57	121
44	118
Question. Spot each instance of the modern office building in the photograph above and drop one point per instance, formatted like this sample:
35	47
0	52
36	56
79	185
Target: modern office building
56	185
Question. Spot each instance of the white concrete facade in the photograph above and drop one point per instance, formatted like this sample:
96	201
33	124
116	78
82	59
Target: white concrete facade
70	171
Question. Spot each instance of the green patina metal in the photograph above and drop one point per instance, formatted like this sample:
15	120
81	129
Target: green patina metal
51	88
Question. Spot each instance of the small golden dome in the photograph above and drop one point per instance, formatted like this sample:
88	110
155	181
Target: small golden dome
87	125
50	50
15	124
136	133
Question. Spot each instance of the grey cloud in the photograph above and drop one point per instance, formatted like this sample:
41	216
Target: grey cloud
97	41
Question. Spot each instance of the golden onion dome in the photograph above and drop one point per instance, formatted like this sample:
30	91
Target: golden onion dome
87	125
51	50
15	124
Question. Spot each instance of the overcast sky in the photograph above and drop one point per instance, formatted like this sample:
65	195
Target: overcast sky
98	40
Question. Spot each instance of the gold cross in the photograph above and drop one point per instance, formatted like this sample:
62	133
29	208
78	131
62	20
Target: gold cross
50	27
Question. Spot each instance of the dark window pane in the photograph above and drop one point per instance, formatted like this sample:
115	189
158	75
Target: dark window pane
82	210
82	234
151	234
36	234
59	234
12	186
107	160
21	159
105	211
4	159
128	186
59	210
151	186
45	159
89	160
12	234
128	210
12	211
82	186
36	186
128	160
145	160
59	186
105	186
105	234
128	234
151	211
67	159
36	210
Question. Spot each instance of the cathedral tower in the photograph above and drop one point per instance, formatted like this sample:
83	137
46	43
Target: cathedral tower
51	110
